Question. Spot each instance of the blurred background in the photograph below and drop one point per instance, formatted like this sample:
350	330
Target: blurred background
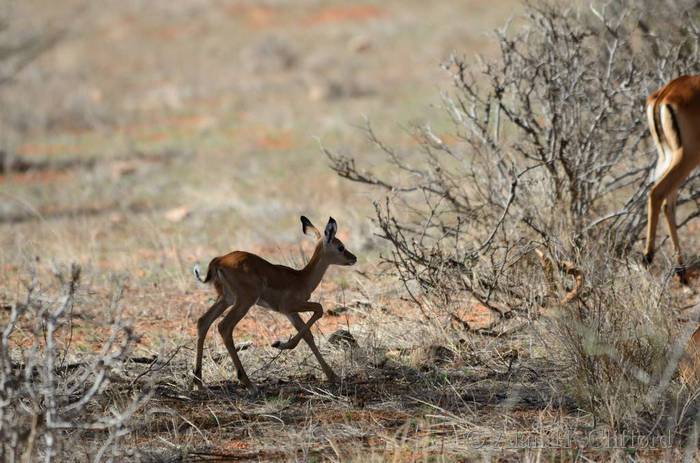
158	133
139	137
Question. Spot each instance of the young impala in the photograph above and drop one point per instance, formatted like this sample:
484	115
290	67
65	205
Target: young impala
673	114
242	279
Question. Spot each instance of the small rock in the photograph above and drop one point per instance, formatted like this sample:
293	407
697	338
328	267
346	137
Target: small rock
116	217
123	169
330	90
177	214
359	44
343	339
434	354
271	54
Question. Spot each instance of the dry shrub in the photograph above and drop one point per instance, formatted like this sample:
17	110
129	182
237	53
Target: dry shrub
548	150
55	405
617	341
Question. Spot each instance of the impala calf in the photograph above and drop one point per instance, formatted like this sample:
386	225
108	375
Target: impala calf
673	114
242	279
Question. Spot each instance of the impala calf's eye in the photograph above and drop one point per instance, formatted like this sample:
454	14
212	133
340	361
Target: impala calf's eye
341	248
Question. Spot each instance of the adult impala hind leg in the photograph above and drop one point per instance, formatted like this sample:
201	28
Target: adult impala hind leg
203	324
317	310
666	187
669	208
656	199
303	328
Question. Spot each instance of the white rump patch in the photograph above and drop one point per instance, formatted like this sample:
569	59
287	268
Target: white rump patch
665	155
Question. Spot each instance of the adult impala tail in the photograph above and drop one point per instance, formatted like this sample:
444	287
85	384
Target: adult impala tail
242	279
673	115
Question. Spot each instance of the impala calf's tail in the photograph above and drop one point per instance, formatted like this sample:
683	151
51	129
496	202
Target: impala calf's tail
198	274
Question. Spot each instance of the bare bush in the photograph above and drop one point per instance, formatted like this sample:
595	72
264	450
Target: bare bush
618	341
47	402
548	151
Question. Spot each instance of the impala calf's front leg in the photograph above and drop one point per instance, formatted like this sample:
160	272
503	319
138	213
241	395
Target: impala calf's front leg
309	339
317	310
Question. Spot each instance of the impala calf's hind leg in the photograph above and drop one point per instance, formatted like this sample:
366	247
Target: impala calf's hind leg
203	324
242	298
226	326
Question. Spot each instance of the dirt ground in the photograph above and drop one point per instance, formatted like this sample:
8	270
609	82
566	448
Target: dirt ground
161	134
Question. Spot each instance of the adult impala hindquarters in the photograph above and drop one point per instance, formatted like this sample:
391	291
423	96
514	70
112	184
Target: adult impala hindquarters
242	279
673	114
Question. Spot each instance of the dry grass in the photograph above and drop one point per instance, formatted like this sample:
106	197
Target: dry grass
159	135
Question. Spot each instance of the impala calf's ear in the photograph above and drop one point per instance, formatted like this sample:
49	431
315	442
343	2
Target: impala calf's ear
331	228
308	228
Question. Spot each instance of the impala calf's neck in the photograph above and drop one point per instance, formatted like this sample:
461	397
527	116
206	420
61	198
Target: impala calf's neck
315	269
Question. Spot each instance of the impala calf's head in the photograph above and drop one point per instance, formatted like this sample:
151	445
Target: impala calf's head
333	250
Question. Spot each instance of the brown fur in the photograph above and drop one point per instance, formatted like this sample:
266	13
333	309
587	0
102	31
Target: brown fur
242	279
674	122
689	367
